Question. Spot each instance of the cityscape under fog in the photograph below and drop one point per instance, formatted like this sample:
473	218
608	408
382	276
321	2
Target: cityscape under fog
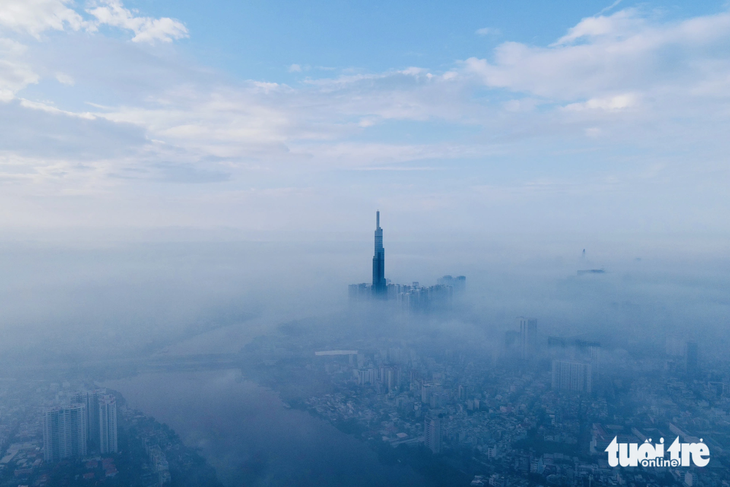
338	243
423	389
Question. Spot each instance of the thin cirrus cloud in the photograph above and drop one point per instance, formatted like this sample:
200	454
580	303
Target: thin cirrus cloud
486	31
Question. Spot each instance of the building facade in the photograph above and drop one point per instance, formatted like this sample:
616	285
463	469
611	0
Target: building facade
572	376
528	337
432	433
108	424
64	432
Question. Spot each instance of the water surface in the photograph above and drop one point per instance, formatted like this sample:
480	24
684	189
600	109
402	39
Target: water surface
249	436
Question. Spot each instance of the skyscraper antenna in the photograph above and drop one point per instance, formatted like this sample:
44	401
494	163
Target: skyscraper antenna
377	219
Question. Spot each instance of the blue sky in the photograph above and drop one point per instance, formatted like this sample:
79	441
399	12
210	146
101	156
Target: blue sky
489	117
261	39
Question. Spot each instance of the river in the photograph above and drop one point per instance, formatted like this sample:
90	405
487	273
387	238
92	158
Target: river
251	438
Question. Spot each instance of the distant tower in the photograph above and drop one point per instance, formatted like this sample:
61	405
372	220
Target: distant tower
432	432
528	337
379	286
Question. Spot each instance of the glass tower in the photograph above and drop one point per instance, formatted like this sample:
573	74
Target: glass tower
379	285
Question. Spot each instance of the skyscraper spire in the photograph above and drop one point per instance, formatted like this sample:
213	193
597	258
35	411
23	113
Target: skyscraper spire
379	284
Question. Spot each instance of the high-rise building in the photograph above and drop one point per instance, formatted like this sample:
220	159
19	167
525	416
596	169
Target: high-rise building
411	297
108	424
390	377
572	376
432	432
91	400
426	391
528	336
577	350
64	432
379	287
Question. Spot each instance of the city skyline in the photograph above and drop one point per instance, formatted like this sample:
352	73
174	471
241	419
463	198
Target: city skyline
414	296
192	293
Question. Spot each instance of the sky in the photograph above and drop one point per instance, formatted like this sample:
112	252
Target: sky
462	117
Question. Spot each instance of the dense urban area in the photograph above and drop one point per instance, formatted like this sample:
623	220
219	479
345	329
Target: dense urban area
537	411
45	441
524	409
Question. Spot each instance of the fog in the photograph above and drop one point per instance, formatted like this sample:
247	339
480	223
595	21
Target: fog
79	299
245	359
195	289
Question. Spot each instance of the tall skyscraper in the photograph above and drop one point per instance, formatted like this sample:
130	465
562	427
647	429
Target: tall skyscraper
572	376
528	337
379	287
432	432
91	400
108	424
64	432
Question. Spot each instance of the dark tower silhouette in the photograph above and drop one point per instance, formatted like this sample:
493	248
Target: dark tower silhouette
379	286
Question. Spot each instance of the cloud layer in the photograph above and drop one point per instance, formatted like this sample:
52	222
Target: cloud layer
621	105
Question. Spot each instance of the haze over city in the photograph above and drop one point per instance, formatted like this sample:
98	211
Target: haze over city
347	243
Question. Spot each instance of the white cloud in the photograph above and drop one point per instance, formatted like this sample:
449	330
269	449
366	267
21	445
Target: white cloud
612	103
620	24
13	78
485	31
15	74
610	7
295	68
37	16
65	79
619	53
51	109
146	29
612	86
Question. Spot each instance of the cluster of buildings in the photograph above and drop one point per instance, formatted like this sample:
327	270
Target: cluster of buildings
45	427
575	363
48	434
413	296
537	410
88	423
